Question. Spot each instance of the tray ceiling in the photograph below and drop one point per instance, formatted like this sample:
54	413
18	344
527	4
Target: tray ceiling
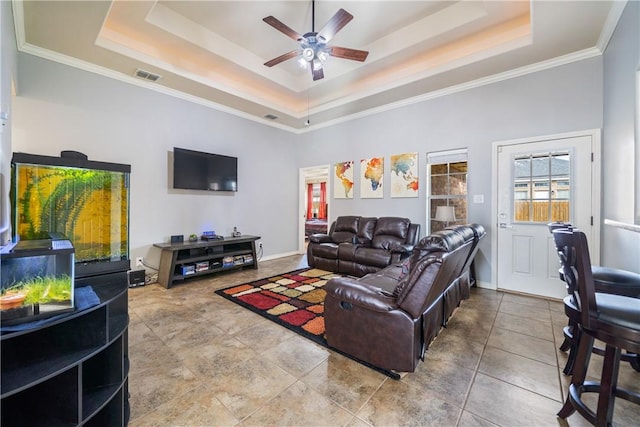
212	52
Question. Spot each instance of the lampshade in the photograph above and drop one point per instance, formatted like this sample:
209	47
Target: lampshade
445	213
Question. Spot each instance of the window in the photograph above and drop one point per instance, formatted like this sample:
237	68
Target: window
447	186
542	187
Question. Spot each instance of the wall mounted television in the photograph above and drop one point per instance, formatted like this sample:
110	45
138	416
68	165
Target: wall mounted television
196	170
82	200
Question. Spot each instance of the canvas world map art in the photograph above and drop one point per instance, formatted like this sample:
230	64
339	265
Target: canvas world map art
371	175
404	175
343	182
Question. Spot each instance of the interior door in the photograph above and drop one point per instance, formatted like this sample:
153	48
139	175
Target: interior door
540	182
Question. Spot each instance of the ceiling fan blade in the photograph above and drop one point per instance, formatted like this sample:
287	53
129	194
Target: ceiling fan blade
335	24
275	23
282	58
316	69
346	53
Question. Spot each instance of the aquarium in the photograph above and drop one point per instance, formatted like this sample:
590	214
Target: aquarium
85	201
37	280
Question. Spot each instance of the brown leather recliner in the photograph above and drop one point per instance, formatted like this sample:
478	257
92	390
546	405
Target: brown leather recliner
388	318
359	245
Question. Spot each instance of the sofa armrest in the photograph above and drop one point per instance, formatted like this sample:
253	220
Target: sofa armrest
350	291
405	248
320	238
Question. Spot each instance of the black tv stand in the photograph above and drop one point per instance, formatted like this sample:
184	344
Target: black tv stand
182	261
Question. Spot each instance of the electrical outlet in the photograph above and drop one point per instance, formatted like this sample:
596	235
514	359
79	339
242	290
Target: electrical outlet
140	262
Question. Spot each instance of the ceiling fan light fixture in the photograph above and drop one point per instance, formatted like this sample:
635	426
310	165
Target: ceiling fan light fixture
314	50
308	54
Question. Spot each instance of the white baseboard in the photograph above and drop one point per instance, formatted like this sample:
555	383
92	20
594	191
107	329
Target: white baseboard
276	256
486	285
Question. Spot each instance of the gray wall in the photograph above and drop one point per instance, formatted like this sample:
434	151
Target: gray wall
562	99
8	61
63	108
621	154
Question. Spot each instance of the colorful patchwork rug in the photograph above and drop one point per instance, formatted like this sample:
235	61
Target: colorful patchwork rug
294	300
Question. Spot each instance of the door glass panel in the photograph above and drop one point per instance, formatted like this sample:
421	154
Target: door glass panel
541	187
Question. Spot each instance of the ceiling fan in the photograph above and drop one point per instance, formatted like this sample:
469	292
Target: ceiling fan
313	45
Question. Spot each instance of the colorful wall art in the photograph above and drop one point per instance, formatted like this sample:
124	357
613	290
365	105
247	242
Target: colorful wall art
404	175
371	174
343	180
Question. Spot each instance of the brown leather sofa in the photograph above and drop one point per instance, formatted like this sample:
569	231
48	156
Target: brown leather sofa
388	318
358	245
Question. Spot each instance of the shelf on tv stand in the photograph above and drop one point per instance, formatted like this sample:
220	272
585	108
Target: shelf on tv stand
175	256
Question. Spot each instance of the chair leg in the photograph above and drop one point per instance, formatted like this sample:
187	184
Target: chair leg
608	385
572	338
579	374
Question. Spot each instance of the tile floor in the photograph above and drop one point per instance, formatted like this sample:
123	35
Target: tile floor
200	360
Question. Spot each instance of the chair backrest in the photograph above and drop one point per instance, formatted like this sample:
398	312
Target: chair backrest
575	263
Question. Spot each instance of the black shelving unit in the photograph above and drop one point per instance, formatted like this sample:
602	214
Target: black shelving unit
179	261
72	371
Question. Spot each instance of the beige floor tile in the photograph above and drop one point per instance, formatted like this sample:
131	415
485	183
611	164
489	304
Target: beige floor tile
523	345
264	335
221	352
525	300
523	372
197	407
536	328
344	381
449	381
525	310
151	354
468	419
297	355
246	387
507	405
450	347
398	403
157	386
299	405
472	324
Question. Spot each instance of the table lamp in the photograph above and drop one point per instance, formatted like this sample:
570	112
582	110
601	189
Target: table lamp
445	214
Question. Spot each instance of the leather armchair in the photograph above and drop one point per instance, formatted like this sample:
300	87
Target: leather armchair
388	318
360	245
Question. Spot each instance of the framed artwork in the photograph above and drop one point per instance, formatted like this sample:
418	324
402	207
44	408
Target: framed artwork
371	175
404	175
343	180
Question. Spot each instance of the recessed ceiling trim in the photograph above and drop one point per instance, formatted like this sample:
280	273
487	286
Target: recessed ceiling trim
496	78
121	47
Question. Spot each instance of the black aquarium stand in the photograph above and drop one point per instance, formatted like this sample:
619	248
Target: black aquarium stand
180	261
72	371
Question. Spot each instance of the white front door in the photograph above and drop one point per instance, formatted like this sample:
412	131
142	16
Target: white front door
540	181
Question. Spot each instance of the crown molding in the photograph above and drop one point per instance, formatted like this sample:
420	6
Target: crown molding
610	24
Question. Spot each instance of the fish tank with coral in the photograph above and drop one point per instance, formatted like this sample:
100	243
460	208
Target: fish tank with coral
37	280
83	200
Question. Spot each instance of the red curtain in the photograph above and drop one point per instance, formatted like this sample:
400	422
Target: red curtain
309	201
322	212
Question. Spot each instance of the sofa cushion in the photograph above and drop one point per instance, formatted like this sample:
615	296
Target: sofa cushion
390	232
346	228
326	250
374	257
366	227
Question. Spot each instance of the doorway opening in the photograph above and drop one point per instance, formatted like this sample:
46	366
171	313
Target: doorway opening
314	203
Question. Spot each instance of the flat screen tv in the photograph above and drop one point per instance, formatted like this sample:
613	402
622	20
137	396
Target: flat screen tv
195	170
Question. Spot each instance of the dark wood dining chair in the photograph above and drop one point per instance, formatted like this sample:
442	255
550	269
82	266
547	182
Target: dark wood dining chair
606	280
612	319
